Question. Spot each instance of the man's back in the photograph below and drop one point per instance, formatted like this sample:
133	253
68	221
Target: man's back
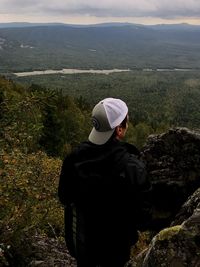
103	184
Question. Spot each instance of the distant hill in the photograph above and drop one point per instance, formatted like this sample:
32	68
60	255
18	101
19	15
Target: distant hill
25	24
181	26
31	24
27	46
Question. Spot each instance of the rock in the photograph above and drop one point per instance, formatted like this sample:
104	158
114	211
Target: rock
176	246
50	252
173	164
39	251
188	208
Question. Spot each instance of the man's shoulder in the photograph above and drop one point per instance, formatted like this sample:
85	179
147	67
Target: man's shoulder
131	149
80	148
134	166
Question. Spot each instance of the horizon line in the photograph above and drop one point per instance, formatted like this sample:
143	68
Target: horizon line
100	23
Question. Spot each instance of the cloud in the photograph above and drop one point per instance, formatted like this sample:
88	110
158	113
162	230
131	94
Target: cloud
104	8
18	6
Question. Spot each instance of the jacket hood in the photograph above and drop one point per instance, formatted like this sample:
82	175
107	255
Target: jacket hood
108	158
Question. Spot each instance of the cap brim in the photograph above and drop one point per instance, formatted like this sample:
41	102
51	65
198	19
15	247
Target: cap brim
100	138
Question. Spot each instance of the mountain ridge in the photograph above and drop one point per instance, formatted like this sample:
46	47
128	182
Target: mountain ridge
105	24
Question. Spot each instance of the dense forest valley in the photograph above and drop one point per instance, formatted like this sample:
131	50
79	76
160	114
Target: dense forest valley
156	100
101	46
43	117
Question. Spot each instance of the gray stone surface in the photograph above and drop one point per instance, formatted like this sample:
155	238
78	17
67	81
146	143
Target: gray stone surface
173	164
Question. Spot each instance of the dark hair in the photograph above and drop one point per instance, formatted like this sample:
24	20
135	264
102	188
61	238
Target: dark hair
124	122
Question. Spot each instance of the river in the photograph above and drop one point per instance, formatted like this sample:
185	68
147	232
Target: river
68	71
75	71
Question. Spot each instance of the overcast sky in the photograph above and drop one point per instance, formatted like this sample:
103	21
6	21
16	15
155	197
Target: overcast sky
97	11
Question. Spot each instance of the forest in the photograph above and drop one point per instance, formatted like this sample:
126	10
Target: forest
37	128
99	47
156	100
43	118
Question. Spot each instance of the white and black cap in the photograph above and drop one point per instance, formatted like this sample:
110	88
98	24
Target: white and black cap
106	116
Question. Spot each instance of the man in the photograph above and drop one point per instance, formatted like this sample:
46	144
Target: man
103	186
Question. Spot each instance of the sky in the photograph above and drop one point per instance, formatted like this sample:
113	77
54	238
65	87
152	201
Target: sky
99	11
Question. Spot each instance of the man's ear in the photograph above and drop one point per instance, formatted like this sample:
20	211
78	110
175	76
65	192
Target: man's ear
118	131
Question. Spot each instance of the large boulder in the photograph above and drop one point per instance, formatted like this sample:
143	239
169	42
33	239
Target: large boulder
173	164
178	245
188	208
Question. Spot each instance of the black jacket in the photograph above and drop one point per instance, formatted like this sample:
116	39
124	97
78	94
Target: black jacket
106	188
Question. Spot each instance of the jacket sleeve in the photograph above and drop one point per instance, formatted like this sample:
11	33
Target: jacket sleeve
142	192
66	197
66	182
